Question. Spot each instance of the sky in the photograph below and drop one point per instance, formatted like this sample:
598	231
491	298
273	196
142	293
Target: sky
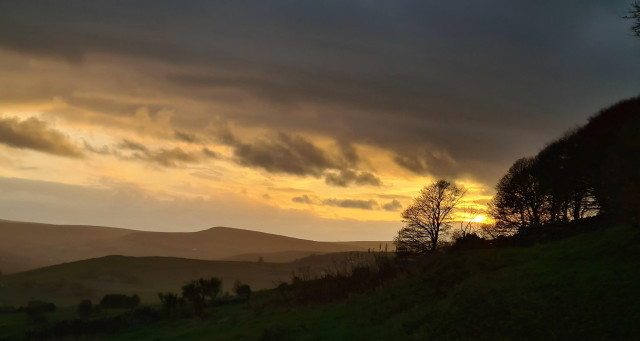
313	119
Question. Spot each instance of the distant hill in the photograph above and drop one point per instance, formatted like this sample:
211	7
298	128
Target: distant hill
25	246
68	283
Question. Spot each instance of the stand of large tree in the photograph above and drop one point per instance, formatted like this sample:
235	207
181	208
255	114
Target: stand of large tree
592	170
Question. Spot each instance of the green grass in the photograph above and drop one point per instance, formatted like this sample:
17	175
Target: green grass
580	288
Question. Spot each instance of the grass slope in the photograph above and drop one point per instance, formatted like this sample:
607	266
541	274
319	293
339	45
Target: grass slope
66	284
581	288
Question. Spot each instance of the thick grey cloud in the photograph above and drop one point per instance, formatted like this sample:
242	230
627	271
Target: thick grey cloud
172	157
210	153
303	199
132	145
394	205
186	137
347	177
34	134
479	81
351	203
284	154
433	162
291	154
335	202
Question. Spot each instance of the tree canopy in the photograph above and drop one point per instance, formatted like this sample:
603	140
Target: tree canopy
634	14
428	217
591	170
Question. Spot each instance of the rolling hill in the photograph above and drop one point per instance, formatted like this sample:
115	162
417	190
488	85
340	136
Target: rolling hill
68	283
25	246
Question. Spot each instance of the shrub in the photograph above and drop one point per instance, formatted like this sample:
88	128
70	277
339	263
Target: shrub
85	308
120	301
242	289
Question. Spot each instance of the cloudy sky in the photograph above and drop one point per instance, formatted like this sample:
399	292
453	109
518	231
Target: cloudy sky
315	119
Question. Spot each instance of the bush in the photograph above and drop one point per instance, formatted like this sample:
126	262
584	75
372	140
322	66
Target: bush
45	307
120	301
169	301
242	289
85	308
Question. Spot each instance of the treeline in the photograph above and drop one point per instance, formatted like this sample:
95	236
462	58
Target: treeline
593	170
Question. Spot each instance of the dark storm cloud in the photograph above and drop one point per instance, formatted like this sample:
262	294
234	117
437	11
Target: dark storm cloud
351	203
349	153
34	134
484	82
291	154
284	154
347	177
436	163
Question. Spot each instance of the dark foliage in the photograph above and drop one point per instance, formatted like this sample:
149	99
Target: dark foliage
170	302
41	306
119	301
197	291
80	329
634	14
8	309
85	309
242	289
592	170
468	242
339	286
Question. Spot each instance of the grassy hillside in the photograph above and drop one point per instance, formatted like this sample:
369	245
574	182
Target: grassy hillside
581	288
25	246
67	284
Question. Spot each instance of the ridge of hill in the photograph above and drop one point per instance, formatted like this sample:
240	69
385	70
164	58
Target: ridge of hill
25	246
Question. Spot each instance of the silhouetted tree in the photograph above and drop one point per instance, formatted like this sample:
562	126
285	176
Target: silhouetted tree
211	287
428	217
197	292
169	301
564	178
520	199
120	301
36	310
85	308
242	289
634	14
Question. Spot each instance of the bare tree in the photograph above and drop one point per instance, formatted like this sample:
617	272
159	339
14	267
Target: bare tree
634	14
428	217
468	222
